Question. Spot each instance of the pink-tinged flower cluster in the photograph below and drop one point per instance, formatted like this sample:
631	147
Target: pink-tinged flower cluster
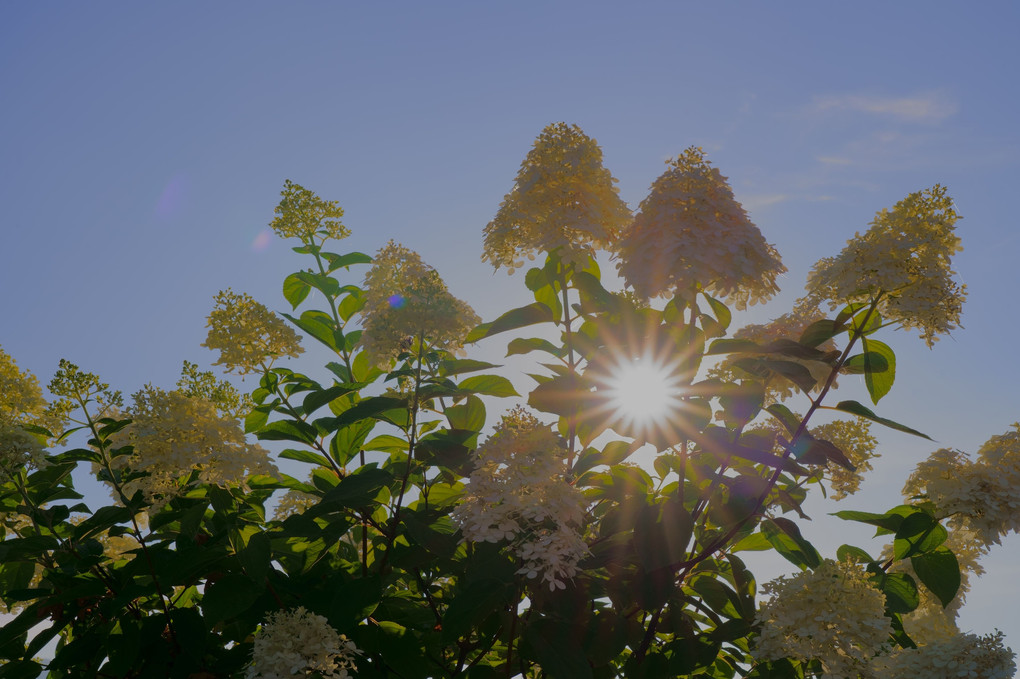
563	200
518	494
982	495
963	656
690	234
298	643
906	257
833	614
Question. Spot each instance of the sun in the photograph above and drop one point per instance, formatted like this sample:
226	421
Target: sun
643	391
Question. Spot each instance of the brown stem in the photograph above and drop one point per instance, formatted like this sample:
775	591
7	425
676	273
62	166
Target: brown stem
802	427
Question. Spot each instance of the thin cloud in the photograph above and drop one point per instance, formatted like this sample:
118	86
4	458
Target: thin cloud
930	107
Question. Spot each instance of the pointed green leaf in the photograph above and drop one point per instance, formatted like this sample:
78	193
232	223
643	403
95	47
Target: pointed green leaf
511	320
489	385
855	408
879	380
295	290
939	571
820	331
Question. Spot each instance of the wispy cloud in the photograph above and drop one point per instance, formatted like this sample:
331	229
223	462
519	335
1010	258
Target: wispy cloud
928	107
760	201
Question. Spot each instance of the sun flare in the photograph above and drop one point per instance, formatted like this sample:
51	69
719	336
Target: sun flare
644	391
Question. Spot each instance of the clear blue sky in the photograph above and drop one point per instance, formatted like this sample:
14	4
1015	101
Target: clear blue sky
143	147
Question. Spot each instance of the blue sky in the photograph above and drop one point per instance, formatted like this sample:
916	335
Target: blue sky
143	148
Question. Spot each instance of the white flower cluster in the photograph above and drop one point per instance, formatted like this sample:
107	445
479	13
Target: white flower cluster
517	493
406	298
691	232
248	336
297	643
905	256
173	434
964	656
832	614
563	199
982	495
18	450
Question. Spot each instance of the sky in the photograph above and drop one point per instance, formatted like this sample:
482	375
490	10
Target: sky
143	147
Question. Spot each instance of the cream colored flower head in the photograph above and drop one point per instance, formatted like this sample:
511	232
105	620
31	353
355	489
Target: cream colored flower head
690	233
980	495
906	257
22	405
297	643
303	215
963	656
406	301
833	614
248	336
518	493
174	434
563	200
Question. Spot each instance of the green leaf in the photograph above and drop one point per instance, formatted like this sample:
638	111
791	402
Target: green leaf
387	443
287	430
786	538
318	325
733	346
469	415
524	345
901	594
784	415
940	572
850	552
557	648
320	397
855	408
861	363
879	381
721	311
613	453
295	290
472	605
229	596
346	260
511	320
360	488
889	522
456	366
820	331
489	385
304	456
918	534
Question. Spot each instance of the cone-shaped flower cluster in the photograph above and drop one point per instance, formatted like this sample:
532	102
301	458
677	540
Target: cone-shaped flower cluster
518	494
303	215
690	232
983	495
563	200
833	614
248	336
905	256
174	434
405	302
297	643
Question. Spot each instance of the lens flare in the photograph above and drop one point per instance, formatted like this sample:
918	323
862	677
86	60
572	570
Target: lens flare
643	391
